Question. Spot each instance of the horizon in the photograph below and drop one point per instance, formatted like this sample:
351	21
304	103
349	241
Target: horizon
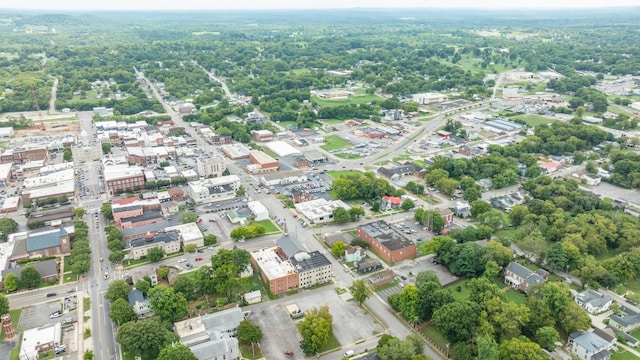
255	5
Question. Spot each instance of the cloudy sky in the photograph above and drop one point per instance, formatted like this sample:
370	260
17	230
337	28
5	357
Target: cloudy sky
289	4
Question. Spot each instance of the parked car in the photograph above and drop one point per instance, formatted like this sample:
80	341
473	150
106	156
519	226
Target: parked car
51	294
198	259
55	314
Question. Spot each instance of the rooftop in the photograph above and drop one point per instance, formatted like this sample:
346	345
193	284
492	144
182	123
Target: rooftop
304	261
45	239
271	264
147	215
159	237
386	235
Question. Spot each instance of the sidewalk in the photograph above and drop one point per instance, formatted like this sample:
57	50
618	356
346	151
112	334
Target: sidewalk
81	345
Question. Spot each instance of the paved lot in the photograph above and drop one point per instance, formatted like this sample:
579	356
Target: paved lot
422	264
38	315
350	322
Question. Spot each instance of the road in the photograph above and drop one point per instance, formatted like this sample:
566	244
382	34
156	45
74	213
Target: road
52	100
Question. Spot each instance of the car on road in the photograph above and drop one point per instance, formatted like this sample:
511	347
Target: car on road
182	260
288	353
60	349
188	265
55	314
72	290
349	353
200	251
210	248
51	294
198	259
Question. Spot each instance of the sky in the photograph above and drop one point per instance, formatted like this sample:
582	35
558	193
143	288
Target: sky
289	4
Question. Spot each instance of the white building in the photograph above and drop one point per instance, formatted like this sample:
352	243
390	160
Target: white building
210	167
189	234
259	211
429	98
38	340
282	149
214	189
320	211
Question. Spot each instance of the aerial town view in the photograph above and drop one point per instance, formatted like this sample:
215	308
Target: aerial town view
349	180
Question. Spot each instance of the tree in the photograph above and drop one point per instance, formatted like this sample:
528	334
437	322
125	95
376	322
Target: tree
7	227
454	327
249	333
210	240
338	248
479	207
472	194
520	348
11	282
106	211
547	337
487	348
315	330
163	272
30	277
186	286
67	155
145	337
395	349
360	290
407	205
118	289
121	312
573	318
88	355
155	254
79	212
190	248
356	212
4	304
143	285
167	304
176	352
116	256
340	215
106	148
188	217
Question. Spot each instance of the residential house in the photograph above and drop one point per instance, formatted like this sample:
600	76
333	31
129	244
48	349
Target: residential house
447	215
345	237
485	184
591	179
365	266
519	277
628	320
390	202
630	340
593	301
589	346
354	254
550	167
139	303
462	209
397	172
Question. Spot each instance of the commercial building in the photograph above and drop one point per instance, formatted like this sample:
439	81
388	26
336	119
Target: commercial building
60	183
259	211
312	268
214	189
169	241
320	211
283	149
86	153
119	178
5	174
261	162
28	152
388	243
189	234
41	244
212	336
262	135
210	167
235	151
39	340
10	204
275	270
429	98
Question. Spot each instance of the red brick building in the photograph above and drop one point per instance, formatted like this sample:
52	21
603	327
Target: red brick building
388	243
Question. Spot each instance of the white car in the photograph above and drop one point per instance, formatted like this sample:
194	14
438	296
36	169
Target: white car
182	260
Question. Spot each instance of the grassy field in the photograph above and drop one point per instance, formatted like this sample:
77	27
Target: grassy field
464	291
435	336
534	120
463	294
347	156
516	297
269	226
623	355
337	174
360	98
333	142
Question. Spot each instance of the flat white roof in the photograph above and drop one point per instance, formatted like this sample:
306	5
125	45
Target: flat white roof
121	171
54	189
262	157
256	207
320	207
271	264
49	179
11	202
282	148
5	170
36	336
190	232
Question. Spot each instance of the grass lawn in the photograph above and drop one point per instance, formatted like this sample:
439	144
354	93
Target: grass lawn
269	226
636	334
67	264
357	99
623	355
630	285
247	353
516	297
332	344
68	277
534	120
464	292
337	174
86	302
332	142
435	336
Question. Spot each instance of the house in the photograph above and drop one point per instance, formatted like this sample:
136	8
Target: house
591	179
381	278
345	237
630	340
354	254
628	320
589	346
253	297
593	301
390	202
447	215
550	167
462	209
139	304
365	266
485	184
520	278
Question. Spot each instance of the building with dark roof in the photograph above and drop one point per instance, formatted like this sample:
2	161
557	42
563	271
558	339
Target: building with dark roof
146	218
43	243
48	270
388	243
520	277
169	241
312	268
62	214
396	172
139	304
369	265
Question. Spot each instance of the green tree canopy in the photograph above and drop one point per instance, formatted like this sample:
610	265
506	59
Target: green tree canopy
155	254
11	282
145	337
188	217
360	290
338	248
118	289
30	277
176	352
167	304
121	312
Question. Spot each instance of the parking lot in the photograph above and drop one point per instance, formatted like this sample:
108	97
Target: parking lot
410	269
350	322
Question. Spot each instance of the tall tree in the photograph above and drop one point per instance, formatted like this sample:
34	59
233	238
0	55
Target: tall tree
454	327
118	289
11	282
338	248
30	277
121	312
106	211
176	352
315	330
155	254
167	304
520	348
145	337
360	290
4	304
249	333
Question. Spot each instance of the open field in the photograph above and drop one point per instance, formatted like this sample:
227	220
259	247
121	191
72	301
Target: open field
534	120
337	174
269	226
333	142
